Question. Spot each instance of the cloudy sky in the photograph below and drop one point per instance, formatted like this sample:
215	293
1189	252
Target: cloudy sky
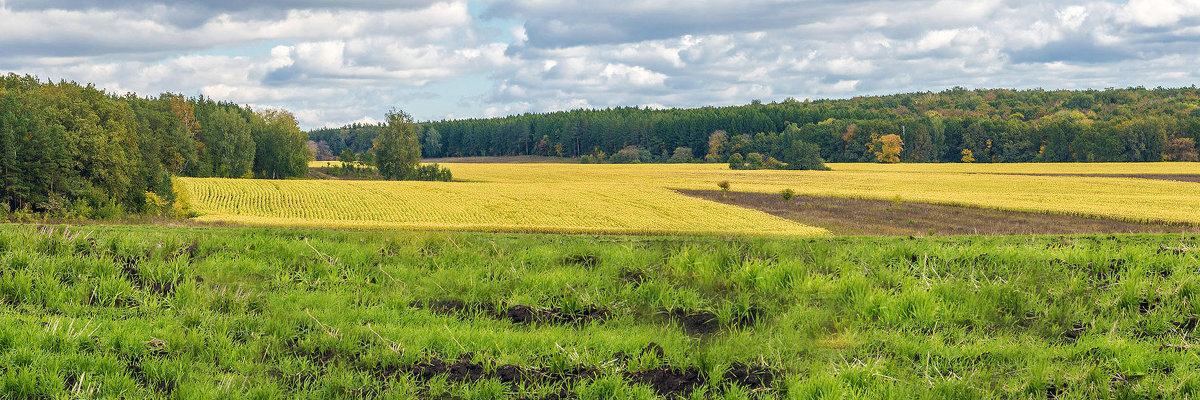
337	61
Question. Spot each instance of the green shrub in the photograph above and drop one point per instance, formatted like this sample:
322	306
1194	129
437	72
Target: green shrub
736	162
24	214
804	156
81	208
787	194
432	172
754	161
682	155
109	210
631	155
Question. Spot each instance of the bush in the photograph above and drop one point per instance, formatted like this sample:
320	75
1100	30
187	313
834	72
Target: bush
82	209
803	155
724	185
787	194
754	161
631	155
24	214
682	155
735	162
155	205
109	210
181	206
432	172
55	206
367	158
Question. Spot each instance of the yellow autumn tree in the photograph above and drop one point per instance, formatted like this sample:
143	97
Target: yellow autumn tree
968	156
887	148
717	143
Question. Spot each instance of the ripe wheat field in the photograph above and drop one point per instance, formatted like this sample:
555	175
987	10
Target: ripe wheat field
641	198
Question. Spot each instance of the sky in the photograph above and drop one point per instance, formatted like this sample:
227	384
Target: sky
332	62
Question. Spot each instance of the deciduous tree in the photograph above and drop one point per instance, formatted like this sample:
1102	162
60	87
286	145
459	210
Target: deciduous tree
397	151
1181	149
887	148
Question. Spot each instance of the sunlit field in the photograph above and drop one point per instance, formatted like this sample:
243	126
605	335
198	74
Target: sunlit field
579	207
638	198
1180	168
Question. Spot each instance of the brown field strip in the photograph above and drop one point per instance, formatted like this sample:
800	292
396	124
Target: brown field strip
853	216
1161	177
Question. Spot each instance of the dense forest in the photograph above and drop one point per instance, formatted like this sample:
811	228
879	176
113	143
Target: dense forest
75	151
996	125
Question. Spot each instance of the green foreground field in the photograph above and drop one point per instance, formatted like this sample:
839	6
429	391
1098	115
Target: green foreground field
188	312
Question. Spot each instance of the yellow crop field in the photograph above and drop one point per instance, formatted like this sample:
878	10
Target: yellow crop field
639	198
1158	168
1122	198
483	206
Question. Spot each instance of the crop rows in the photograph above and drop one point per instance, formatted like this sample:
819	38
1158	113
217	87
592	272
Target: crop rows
1120	198
576	208
1028	168
575	198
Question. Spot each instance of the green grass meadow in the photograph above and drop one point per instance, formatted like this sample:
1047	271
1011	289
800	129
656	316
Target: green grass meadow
202	312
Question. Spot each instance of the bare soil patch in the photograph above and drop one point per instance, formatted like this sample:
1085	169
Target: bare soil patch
702	322
666	381
517	314
848	216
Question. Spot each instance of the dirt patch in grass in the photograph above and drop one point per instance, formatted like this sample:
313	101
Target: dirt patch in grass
465	370
750	376
847	216
666	381
671	382
517	314
701	322
696	323
1162	177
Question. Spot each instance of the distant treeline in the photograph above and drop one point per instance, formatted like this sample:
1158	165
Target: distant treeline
78	152
996	125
